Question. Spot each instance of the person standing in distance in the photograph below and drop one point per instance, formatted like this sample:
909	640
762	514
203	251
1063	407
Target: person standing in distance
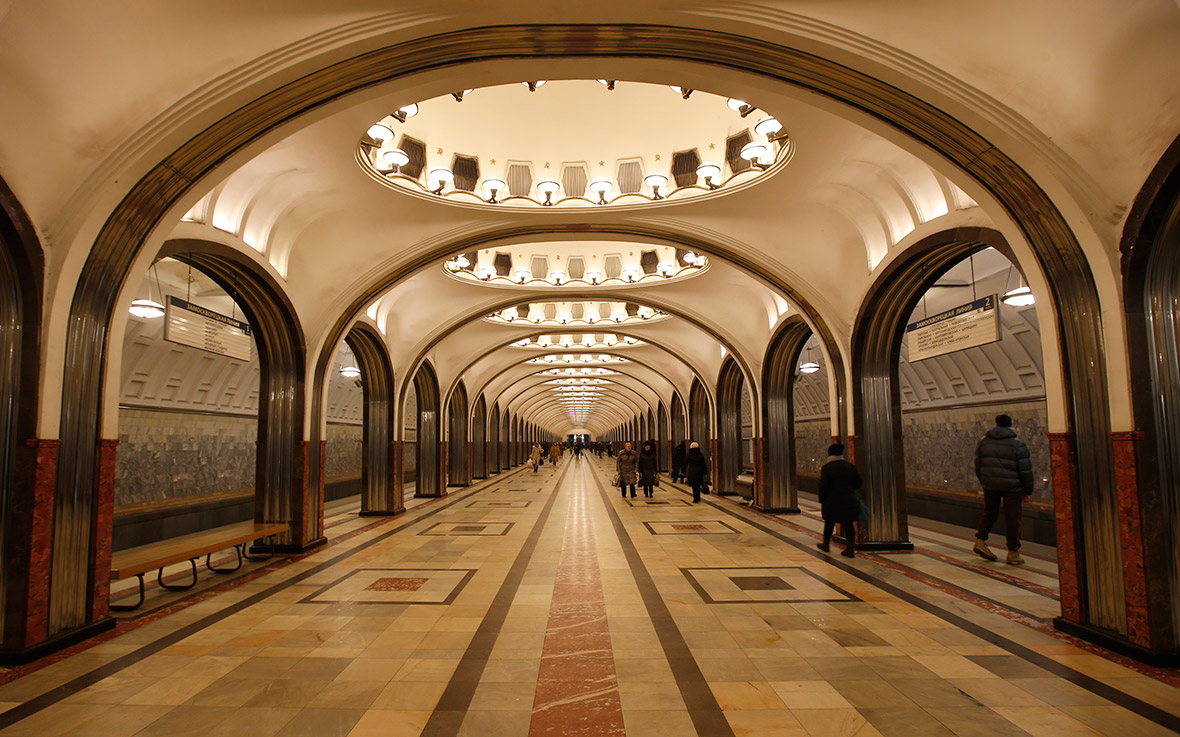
696	470
627	465
1004	470
838	482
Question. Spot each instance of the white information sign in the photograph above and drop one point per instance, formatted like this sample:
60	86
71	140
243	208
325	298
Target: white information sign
966	326
197	327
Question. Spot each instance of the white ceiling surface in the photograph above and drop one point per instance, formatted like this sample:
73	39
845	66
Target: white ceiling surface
1082	95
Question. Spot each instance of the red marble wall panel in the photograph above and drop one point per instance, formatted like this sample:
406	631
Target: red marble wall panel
1064	467
1131	536
397	461
104	521
300	533
35	567
761	461
850	448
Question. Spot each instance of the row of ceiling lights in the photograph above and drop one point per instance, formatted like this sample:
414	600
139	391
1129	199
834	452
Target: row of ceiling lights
759	154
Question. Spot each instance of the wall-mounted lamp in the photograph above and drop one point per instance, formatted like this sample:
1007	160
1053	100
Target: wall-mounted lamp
443	177
534	86
655	181
602	188
742	108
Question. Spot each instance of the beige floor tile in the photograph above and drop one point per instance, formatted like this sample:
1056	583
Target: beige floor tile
371	669
409	696
765	723
659	723
744	695
650	697
389	723
1045	721
171	691
504	696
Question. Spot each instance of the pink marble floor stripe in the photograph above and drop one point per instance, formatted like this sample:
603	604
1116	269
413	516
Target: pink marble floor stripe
577	690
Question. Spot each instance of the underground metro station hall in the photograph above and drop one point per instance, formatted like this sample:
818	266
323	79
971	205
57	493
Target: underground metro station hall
727	369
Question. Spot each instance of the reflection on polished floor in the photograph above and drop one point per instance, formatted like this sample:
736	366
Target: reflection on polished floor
543	604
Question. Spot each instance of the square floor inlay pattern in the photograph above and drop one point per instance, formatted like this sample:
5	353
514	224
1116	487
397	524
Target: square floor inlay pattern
690	527
394	586
502	504
460	529
791	584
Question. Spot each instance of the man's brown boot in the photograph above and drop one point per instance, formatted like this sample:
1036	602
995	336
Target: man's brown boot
983	551
1014	558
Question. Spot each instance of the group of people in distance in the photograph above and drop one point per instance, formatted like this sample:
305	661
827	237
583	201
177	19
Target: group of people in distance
1002	465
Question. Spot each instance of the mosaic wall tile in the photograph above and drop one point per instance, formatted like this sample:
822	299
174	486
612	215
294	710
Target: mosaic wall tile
344	451
168	455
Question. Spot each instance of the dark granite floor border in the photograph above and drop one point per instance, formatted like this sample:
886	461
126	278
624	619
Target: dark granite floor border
507	526
648	524
706	714
73	686
447	717
1091	684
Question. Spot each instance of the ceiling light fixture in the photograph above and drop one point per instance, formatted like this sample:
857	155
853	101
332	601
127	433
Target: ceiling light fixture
534	86
350	372
380	133
146	308
743	108
709	172
1019	297
494	187
755	152
602	188
404	113
682	91
608	83
395	157
443	176
548	187
771	128
460	95
655	181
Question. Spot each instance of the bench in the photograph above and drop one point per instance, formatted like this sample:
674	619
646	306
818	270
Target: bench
140	560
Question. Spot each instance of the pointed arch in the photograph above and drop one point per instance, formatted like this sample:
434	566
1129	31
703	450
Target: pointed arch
777	488
729	427
458	447
381	494
428	443
479	439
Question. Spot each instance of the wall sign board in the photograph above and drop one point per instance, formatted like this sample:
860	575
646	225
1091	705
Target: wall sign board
197	327
966	326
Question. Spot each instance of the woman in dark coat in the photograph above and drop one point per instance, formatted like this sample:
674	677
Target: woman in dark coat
696	470
648	468
838	482
679	456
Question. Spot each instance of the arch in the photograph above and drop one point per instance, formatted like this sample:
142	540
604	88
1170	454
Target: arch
505	441
729	428
24	516
679	425
663	438
776	489
1151	275
162	187
698	418
381	492
877	441
479	439
458	448
428	441
495	421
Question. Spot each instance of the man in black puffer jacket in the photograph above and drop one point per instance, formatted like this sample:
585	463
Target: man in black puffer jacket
838	482
1004	470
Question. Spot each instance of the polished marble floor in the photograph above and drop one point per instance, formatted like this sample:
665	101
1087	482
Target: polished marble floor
544	604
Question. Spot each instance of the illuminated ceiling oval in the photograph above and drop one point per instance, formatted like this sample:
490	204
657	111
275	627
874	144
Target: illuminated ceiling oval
606	144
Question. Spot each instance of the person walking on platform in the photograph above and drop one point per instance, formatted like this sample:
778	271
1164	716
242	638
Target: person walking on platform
696	471
627	464
1004	470
679	456
555	453
838	482
648	468
535	456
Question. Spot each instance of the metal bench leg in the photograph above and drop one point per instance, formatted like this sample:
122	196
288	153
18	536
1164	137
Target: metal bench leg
136	605
209	565
256	558
178	587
